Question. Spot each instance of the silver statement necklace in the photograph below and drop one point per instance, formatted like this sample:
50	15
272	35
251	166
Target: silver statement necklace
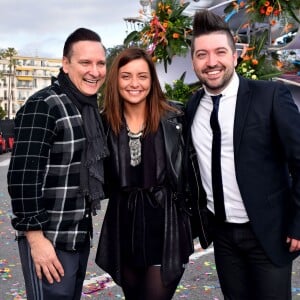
135	147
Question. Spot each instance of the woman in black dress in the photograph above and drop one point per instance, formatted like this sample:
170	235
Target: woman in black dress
146	238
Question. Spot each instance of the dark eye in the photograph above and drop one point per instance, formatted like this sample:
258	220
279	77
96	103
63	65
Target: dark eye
143	77
201	55
222	52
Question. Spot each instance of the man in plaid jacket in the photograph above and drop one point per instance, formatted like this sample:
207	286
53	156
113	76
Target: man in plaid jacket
55	175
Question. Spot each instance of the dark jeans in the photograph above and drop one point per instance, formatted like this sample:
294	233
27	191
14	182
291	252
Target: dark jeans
70	287
244	270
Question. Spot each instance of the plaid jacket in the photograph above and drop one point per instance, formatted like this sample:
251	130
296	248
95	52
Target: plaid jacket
43	176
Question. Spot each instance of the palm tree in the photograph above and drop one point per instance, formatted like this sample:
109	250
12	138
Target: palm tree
9	53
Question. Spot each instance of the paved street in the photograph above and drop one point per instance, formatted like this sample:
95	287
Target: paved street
198	283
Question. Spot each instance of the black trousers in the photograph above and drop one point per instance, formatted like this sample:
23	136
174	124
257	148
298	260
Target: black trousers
244	270
70	287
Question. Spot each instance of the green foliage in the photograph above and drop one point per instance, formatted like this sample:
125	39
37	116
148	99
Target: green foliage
111	53
3	113
9	53
259	10
180	91
257	64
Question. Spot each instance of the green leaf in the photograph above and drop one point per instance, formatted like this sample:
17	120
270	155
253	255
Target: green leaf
133	36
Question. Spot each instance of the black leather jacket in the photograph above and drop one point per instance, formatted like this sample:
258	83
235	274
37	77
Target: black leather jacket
200	215
178	242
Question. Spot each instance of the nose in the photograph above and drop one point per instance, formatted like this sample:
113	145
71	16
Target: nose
212	60
97	70
134	81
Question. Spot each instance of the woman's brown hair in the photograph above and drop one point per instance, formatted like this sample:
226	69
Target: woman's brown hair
156	101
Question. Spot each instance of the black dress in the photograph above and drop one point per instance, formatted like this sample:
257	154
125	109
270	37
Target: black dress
142	213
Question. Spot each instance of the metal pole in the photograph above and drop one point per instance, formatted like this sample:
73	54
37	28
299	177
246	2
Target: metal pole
9	90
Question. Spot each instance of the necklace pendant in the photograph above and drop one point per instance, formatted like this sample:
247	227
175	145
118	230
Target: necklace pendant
135	147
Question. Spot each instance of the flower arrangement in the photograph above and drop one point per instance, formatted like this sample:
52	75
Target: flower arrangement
273	8
166	34
256	64
258	10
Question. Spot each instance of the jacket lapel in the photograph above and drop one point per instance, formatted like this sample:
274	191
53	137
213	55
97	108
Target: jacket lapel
242	107
192	107
172	133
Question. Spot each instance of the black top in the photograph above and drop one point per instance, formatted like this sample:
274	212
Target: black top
142	220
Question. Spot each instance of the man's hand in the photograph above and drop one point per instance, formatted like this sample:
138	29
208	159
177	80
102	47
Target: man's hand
44	257
294	244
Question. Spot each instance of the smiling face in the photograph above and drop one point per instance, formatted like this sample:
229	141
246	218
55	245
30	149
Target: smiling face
214	61
86	66
134	82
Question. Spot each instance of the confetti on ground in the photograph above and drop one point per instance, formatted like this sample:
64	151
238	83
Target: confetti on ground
5	272
95	285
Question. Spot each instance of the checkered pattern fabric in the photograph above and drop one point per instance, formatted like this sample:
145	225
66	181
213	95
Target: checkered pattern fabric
43	176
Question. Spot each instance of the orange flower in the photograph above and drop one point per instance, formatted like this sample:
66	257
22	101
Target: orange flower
254	62
267	3
176	35
154	59
273	22
269	9
246	57
235	5
165	24
242	4
279	64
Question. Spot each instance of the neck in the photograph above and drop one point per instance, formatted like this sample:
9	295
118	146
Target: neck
135	119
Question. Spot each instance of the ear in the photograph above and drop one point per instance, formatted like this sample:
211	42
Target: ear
235	57
65	64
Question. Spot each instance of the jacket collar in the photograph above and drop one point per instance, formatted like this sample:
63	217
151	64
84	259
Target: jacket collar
241	111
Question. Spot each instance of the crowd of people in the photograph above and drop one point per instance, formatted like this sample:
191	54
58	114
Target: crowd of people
224	169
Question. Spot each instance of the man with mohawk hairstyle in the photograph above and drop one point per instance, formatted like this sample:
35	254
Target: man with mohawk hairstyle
243	138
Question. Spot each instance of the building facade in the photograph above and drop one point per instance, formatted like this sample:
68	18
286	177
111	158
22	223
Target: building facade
21	76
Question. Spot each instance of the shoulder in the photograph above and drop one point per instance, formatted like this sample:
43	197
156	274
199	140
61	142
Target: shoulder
194	100
259	85
50	101
176	104
36	103
177	109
